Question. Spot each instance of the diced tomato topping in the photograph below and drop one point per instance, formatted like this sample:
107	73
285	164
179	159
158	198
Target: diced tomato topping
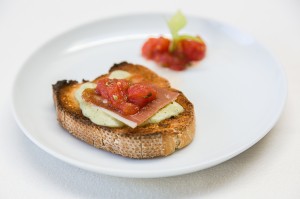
186	51
127	108
114	90
90	95
122	95
141	94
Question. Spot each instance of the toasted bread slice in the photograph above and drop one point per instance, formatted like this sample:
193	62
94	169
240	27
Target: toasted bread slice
146	141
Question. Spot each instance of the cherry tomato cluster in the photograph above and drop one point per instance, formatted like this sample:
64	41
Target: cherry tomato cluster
126	97
185	52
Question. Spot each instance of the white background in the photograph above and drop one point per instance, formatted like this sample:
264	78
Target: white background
270	169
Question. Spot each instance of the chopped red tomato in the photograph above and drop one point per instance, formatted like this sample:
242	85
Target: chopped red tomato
141	94
186	51
192	50
127	108
171	60
122	95
155	46
113	90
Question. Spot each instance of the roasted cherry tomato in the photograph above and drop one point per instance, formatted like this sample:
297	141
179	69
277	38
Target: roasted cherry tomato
192	50
154	46
141	94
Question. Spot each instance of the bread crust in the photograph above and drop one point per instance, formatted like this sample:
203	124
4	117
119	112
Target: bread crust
147	141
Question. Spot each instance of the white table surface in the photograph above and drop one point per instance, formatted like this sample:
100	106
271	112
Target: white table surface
269	169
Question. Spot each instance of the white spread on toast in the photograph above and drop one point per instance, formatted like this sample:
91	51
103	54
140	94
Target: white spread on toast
108	118
119	74
168	111
94	113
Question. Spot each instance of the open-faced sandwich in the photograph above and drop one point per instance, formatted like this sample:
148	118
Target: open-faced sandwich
130	111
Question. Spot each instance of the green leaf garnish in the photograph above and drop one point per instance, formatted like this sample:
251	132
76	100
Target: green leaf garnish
175	24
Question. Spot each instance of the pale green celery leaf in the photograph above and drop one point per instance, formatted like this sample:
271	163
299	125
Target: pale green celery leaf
176	23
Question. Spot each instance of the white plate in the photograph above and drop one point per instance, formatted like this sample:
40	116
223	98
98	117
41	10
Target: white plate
238	91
